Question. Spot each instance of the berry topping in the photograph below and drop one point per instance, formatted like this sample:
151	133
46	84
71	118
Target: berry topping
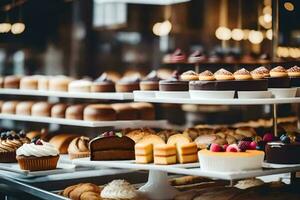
216	148
285	139
38	142
244	145
225	147
232	148
16	137
253	145
268	137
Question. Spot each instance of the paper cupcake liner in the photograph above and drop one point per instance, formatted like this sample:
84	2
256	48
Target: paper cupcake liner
37	163
8	157
79	155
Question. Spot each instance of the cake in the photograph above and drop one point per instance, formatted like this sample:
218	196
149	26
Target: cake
278	78
29	82
174	83
125	112
150	82
9	107
112	146
42	109
61	142
197	57
178	56
37	156
59	83
75	112
59	110
24	107
232	158
128	84
12	82
164	154
121	190
144	148
285	151
10	141
189	76
80	86
294	74
79	147
146	111
103	84
99	112
186	149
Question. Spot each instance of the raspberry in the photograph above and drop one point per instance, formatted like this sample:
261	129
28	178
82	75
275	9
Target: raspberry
268	137
216	148
253	145
232	148
244	145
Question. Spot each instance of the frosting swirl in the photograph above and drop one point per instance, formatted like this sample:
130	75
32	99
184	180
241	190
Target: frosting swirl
119	189
37	150
79	144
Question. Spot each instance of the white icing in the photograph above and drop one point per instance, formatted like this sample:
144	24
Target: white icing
119	189
32	149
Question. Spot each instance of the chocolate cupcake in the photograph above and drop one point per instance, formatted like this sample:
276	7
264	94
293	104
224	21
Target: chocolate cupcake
189	76
278	78
294	74
197	57
151	82
174	84
128	84
103	84
178	56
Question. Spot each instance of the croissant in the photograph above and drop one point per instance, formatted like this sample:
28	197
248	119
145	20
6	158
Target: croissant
82	191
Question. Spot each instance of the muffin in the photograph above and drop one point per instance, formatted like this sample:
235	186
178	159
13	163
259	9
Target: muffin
103	84
10	141
128	84
189	76
150	82
79	148
37	156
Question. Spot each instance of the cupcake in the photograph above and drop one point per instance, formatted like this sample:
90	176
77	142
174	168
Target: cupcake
79	148
119	189
178	56
278	78
37	156
197	57
260	73
223	74
242	74
206	76
278	71
189	76
9	143
150	82
103	84
128	84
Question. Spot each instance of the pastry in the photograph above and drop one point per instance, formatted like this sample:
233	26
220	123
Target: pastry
29	82
12	82
151	82
119	189
278	78
231	158
125	111
10	141
37	156
203	140
128	84
59	83
79	148
144	148
59	110
294	74
103	84
112	146
164	154
178	56
62	141
189	76
197	57
75	112
246	131
42	109
24	107
80	86
99	112
145	111
9	107
165	134
260	72
223	74
137	134
242	74
82	191
206	76
174	84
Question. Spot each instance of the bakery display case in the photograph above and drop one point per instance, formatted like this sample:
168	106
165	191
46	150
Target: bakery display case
135	99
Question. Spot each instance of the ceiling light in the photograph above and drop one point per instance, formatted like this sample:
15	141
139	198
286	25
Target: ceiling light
237	34
255	37
223	33
18	28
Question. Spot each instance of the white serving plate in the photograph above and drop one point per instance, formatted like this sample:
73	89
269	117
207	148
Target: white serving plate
172	94
283	92
61	169
142	94
209	94
254	94
276	166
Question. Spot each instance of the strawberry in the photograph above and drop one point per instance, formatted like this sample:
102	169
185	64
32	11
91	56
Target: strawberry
216	148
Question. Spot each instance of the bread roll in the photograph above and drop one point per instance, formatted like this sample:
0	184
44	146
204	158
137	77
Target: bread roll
59	83
59	110
99	112
75	112
41	109
9	107
24	108
12	82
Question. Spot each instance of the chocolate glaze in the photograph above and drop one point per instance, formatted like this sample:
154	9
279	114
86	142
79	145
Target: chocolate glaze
283	153
295	81
236	85
173	85
278	82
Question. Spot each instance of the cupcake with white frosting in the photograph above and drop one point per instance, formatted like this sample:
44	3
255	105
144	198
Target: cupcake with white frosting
37	156
119	189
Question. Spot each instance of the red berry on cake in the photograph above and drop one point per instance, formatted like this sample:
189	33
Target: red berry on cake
253	145
232	148
244	145
216	148
225	147
268	137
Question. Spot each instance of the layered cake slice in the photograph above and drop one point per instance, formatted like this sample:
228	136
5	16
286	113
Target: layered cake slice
112	146
164	154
